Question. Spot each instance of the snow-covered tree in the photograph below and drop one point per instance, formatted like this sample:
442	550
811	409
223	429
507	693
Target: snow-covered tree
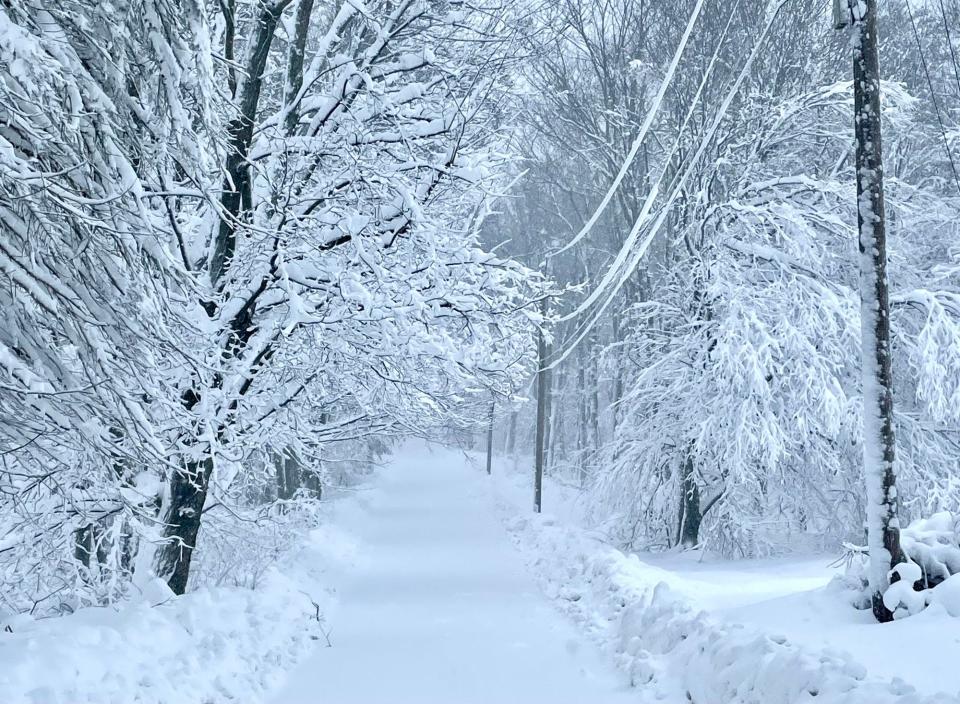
235	238
747	392
93	106
344	240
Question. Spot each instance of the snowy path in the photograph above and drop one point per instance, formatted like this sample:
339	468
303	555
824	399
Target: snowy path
440	608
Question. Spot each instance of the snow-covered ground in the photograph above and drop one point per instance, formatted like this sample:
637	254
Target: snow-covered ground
424	597
222	645
737	631
794	598
440	609
211	646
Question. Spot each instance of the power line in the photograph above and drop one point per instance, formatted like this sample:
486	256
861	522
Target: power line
615	278
953	55
933	96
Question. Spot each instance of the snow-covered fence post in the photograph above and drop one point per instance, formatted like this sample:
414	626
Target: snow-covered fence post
879	442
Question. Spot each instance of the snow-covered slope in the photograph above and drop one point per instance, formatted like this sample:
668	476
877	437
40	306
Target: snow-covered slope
211	646
761	640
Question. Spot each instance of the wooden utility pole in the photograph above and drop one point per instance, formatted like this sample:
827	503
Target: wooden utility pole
879	442
582	400
543	386
493	406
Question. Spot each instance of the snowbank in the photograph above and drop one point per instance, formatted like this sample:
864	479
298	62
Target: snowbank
214	645
209	646
657	633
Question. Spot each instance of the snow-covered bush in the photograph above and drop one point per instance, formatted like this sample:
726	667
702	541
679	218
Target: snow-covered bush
932	548
934	545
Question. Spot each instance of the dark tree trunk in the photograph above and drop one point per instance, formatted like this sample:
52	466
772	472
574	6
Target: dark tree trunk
310	482
83	545
229	10
688	530
188	493
295	65
236	198
542	391
288	475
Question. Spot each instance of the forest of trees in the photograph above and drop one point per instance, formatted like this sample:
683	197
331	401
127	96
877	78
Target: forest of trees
244	244
713	396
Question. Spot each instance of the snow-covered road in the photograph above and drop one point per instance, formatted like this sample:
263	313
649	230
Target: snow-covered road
439	607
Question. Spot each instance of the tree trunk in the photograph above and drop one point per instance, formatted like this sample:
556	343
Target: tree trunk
595	429
542	390
310	480
582	414
879	443
295	66
557	448
490	438
236	198
288	475
188	493
229	10
688	530
83	546
617	384
511	444
188	487
548	415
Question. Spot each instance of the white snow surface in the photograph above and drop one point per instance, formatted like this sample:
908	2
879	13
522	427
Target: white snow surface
211	646
424	597
440	608
751	632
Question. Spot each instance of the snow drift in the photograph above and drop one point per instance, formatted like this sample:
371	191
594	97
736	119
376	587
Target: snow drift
654	631
209	646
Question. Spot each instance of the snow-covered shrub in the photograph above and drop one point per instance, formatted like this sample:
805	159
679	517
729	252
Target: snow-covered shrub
934	545
240	545
932	548
257	520
947	595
